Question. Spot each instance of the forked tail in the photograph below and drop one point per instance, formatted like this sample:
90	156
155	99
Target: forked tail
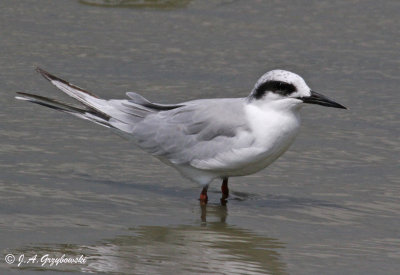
117	114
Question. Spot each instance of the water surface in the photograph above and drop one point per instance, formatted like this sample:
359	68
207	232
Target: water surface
330	205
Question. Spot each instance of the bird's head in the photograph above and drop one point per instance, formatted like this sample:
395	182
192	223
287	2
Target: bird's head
287	90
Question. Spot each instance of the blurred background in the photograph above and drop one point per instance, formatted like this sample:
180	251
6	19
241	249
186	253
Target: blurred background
330	205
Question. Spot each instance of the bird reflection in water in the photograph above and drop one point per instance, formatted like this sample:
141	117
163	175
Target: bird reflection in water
220	211
211	246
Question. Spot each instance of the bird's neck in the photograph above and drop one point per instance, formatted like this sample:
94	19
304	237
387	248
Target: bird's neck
285	106
272	124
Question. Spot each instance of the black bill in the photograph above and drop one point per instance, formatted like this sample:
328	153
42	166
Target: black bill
316	98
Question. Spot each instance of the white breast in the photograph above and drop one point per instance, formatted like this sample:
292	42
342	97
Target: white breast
274	131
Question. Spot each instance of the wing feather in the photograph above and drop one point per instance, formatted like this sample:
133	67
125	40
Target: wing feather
196	134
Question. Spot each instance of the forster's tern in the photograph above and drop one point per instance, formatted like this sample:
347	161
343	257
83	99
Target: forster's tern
203	139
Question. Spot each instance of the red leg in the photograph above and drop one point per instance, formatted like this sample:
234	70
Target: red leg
203	195
225	191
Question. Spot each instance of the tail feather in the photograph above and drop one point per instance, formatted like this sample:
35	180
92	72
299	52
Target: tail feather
50	77
116	109
85	113
85	97
114	113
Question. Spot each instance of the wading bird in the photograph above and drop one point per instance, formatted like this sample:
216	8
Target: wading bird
203	139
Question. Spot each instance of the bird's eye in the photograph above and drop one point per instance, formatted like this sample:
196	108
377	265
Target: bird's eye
278	87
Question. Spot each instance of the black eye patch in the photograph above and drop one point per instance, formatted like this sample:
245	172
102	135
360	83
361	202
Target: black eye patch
274	86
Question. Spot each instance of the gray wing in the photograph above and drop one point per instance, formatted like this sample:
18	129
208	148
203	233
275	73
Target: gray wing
206	134
140	100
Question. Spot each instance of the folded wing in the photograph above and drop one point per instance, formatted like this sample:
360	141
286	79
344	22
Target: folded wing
209	134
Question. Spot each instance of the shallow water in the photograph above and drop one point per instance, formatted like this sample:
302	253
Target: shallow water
330	205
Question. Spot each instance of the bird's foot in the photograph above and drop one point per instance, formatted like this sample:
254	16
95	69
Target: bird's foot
203	196
203	199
